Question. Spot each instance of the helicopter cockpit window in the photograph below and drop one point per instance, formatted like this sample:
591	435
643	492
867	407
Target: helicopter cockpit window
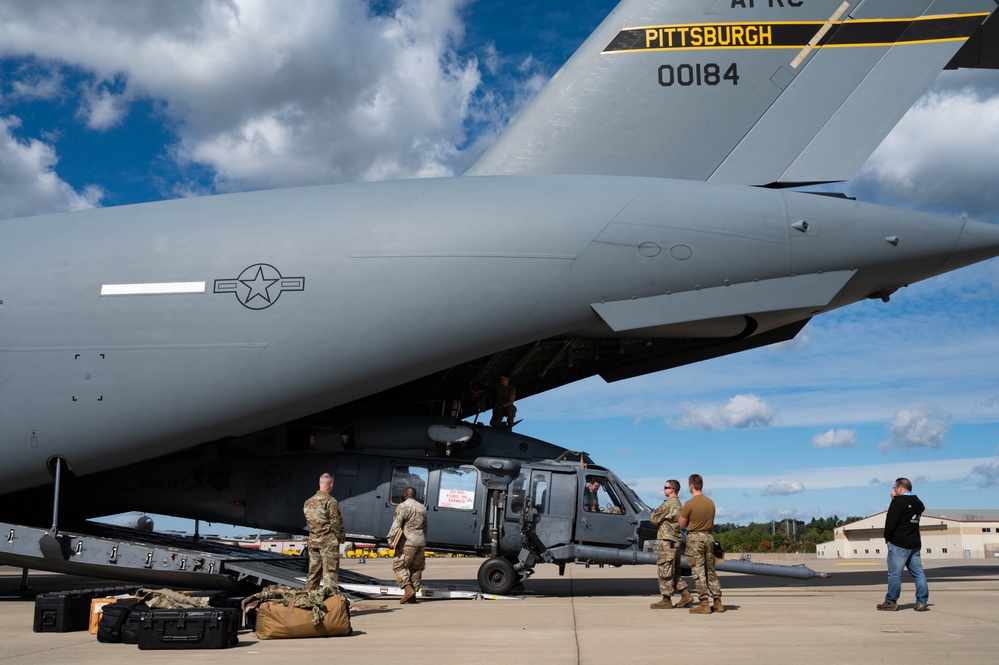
410	476
539	490
600	496
516	495
457	490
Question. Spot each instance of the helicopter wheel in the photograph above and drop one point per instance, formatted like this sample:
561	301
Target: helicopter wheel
497	576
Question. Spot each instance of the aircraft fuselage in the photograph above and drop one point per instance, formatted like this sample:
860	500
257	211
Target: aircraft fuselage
128	333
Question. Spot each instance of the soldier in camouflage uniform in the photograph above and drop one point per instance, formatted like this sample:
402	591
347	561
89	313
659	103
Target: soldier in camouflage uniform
698	517
322	513
503	401
411	519
667	517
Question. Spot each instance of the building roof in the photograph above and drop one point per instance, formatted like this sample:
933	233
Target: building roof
950	514
964	514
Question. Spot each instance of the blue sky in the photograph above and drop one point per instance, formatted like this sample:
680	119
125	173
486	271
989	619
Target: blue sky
107	103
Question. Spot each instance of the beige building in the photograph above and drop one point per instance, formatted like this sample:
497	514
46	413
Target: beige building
945	534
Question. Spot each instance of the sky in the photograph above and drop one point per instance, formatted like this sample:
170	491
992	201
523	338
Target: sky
107	103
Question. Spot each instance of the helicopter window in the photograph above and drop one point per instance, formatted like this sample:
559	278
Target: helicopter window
515	500
457	488
600	496
410	476
539	490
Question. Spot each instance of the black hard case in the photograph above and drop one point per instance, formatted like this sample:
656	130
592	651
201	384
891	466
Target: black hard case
202	628
62	611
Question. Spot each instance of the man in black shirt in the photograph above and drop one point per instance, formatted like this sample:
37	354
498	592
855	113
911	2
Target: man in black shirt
902	537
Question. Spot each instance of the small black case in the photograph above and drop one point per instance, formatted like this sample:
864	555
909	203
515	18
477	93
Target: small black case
62	611
201	628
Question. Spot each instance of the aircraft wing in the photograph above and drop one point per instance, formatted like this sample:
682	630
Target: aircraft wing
751	92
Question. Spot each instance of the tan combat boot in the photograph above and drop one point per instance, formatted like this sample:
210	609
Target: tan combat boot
718	607
408	594
664	604
685	599
702	608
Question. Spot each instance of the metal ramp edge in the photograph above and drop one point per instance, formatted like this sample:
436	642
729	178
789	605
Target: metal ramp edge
119	553
289	571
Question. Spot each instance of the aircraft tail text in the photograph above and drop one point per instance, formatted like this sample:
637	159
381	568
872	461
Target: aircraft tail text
752	92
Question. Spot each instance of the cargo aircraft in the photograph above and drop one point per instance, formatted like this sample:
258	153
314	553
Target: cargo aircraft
209	357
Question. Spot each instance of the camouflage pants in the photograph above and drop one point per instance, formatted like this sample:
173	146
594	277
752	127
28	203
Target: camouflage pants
409	565
501	412
324	564
669	569
701	557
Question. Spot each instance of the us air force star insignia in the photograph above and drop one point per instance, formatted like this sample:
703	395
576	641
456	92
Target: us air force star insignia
259	286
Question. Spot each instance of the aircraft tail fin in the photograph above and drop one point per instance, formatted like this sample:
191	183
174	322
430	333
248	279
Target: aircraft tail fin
755	92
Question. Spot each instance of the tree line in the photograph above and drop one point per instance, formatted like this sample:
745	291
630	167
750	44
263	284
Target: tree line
778	535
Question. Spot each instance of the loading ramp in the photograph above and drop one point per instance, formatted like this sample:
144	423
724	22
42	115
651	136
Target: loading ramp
120	553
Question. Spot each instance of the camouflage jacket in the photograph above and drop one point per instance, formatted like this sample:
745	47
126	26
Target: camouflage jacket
667	517
322	513
411	517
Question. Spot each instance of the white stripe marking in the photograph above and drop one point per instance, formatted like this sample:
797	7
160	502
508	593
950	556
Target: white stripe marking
160	288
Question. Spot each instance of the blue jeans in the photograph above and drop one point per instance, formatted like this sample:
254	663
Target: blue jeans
899	558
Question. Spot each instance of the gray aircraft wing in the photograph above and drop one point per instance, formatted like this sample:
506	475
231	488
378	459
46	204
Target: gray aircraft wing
753	92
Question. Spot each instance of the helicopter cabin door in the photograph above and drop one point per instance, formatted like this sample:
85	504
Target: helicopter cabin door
603	517
454	511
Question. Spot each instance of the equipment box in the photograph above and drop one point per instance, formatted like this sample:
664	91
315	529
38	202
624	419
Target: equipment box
62	611
97	608
202	628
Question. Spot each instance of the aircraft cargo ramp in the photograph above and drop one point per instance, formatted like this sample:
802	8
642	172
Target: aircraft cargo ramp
148	558
144	557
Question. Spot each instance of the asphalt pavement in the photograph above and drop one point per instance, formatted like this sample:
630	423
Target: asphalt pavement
592	615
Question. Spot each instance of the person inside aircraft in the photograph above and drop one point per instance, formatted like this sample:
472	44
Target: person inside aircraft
598	492
591	499
503	400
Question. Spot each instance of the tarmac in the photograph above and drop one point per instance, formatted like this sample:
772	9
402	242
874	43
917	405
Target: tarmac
593	615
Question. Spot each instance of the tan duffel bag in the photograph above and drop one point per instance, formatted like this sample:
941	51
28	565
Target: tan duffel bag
276	621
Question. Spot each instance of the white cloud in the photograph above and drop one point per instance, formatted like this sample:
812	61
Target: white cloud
39	83
783	488
268	94
786	512
28	182
741	411
941	156
835	438
102	109
986	475
917	427
859	476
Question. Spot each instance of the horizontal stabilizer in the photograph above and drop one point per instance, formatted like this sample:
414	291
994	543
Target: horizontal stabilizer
768	295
